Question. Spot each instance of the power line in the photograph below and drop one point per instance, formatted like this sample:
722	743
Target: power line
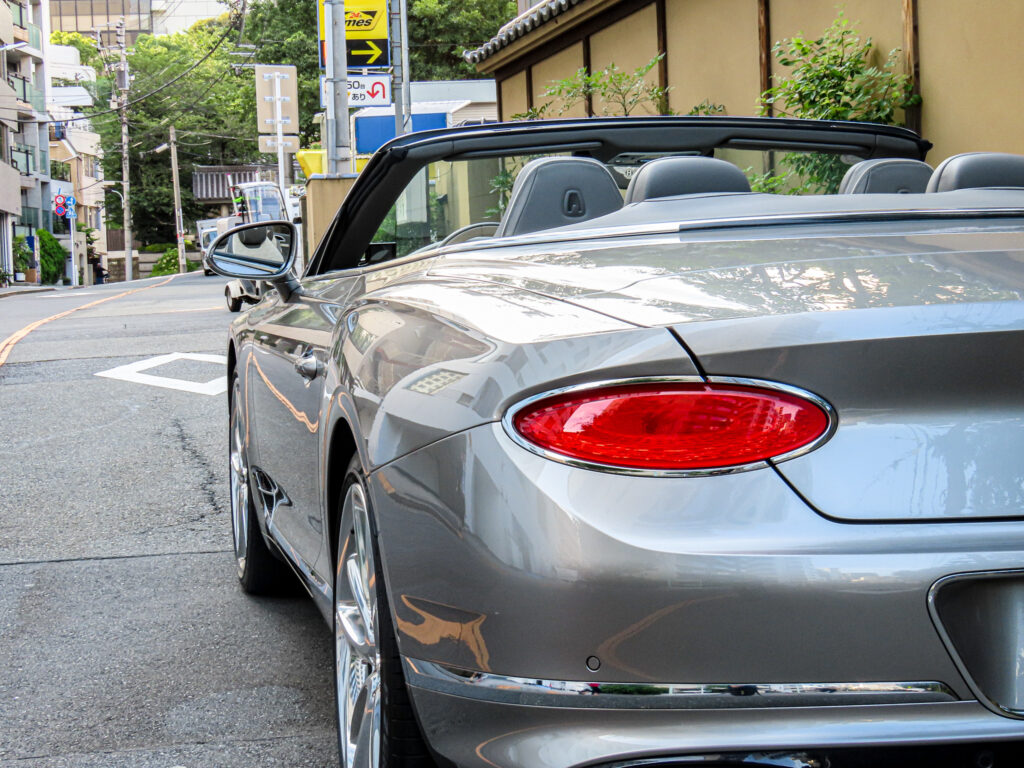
156	90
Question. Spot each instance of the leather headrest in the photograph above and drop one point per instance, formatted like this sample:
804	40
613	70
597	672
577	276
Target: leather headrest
978	169
685	175
558	191
886	175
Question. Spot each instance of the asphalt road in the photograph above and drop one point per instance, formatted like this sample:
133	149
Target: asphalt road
124	638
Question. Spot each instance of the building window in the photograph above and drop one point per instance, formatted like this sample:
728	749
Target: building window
60	171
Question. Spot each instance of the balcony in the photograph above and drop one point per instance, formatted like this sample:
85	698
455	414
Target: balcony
23	157
18	14
30	218
27	93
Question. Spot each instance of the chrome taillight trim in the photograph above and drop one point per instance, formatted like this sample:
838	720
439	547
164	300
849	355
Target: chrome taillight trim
568	693
508	423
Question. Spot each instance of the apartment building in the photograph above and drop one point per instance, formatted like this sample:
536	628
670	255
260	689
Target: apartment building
25	164
10	178
142	17
91	16
75	152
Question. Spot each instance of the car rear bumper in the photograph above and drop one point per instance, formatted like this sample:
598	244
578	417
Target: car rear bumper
506	567
475	732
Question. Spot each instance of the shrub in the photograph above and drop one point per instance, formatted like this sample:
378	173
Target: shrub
157	248
52	257
168	263
23	255
832	78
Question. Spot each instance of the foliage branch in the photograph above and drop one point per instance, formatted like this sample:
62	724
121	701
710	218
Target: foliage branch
833	77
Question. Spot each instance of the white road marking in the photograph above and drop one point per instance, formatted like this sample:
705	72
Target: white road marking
133	372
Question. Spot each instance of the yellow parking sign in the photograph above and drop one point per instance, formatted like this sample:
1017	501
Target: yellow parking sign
366	19
366	33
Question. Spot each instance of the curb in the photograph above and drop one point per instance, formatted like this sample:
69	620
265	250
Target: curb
23	291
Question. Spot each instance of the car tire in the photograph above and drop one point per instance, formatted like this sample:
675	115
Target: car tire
376	723
259	571
234	304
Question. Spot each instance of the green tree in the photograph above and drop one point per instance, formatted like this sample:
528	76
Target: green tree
833	77
88	53
440	30
211	106
51	257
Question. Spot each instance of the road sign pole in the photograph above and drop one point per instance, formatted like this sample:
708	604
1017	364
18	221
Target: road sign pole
278	119
398	63
406	73
74	264
330	123
336	128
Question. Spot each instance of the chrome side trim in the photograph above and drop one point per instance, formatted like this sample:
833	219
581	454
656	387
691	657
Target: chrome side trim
830	412
746	759
302	569
936	215
560	693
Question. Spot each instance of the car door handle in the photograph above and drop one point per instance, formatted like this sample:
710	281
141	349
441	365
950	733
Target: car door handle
308	366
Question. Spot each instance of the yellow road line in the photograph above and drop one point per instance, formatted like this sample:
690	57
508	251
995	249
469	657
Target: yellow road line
8	344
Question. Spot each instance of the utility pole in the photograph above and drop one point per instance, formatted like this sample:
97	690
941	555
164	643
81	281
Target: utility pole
400	62
179	230
336	109
123	83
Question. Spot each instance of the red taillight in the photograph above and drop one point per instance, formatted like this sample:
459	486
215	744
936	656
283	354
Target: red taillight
672	425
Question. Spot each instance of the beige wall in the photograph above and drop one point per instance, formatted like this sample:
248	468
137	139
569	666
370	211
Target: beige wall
513	96
6	25
881	20
629	44
972	65
971	59
10	189
713	54
563	64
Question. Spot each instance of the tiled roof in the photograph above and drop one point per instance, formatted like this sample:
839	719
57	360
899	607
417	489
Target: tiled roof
540	13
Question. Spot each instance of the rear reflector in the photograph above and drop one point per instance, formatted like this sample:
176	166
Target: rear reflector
672	426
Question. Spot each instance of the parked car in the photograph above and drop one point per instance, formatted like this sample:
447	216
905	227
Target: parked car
206	238
591	456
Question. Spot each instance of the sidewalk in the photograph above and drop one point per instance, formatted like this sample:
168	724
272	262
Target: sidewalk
19	288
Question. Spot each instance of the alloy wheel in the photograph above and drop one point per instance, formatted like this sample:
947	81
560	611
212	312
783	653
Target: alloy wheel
239	480
357	654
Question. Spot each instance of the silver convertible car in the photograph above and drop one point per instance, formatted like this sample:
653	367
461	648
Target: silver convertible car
597	444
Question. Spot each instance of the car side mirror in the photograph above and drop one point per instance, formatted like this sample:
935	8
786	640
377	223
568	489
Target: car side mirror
259	251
